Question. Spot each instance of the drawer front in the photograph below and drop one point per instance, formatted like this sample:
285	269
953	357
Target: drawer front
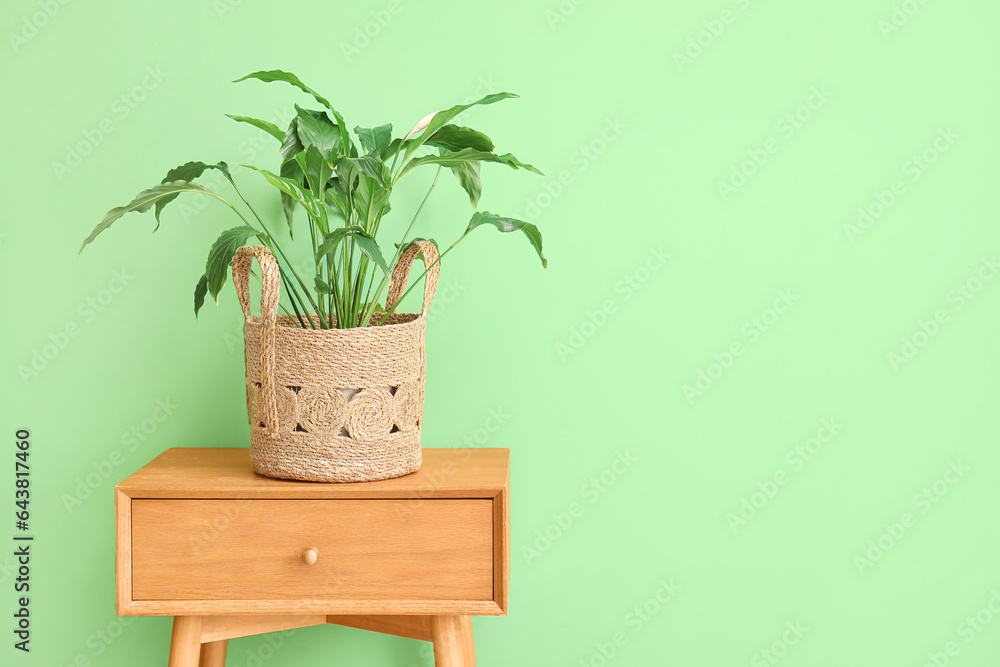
432	549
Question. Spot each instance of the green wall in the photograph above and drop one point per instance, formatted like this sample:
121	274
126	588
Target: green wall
751	404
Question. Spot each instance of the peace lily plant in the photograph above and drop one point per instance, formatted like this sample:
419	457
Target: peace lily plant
344	188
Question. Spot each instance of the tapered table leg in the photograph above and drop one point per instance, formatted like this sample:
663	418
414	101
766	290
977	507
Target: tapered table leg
185	642
453	644
213	654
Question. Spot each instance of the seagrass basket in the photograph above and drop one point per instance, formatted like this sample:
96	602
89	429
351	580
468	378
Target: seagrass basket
334	405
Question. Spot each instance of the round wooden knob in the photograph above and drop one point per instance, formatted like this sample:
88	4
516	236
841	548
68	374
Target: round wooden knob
309	556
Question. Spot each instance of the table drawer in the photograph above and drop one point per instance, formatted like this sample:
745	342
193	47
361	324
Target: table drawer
410	549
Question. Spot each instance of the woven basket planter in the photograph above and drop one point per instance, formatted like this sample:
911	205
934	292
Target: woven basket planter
334	405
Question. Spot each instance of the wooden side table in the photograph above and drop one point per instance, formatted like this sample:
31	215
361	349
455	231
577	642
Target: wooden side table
229	554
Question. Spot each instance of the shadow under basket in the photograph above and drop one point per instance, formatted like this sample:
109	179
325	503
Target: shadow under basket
334	405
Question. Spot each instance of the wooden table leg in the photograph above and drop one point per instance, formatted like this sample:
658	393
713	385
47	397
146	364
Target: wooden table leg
185	641
453	645
213	654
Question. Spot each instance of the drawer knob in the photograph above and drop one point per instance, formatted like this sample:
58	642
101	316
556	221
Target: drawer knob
309	556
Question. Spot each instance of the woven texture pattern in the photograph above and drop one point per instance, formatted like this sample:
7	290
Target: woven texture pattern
334	405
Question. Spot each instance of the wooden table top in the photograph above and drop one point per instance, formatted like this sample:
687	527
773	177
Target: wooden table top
226	472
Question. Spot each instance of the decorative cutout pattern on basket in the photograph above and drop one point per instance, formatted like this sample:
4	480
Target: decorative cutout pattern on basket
367	416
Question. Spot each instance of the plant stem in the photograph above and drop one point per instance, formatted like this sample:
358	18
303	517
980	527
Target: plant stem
389	310
369	311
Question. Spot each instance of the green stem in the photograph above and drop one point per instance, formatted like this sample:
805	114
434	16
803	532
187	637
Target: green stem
369	311
391	309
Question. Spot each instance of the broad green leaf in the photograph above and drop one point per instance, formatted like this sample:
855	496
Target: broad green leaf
315	129
220	257
142	203
468	178
370	200
270	76
370	248
375	139
336	197
370	165
187	172
509	225
270	128
293	171
455	138
347	174
330	243
200	290
316	169
442	117
312	206
291	145
365	243
456	158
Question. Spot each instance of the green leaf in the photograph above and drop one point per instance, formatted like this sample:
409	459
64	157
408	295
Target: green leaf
142	203
270	128
468	178
370	248
322	287
509	225
290	170
316	169
370	200
200	290
315	129
270	76
442	117
220	257
365	243
455	138
371	166
457	158
330	243
312	206
186	172
291	145
375	139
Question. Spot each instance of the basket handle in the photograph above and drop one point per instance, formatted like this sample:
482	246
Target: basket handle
401	273
270	291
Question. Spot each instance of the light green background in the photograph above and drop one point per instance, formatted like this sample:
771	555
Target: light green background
634	146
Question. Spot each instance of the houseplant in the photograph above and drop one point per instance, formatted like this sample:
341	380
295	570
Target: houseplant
318	363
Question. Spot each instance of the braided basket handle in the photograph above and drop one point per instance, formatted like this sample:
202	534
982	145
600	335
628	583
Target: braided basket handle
270	292
402	272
